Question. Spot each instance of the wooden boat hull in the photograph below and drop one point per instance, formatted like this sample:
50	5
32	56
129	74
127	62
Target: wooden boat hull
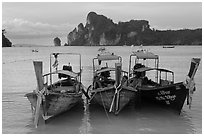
105	97
172	96
55	103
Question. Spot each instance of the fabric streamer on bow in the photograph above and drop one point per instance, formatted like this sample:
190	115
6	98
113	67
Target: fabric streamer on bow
190	84
55	64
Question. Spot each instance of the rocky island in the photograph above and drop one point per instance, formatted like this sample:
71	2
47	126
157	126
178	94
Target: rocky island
5	41
57	41
100	30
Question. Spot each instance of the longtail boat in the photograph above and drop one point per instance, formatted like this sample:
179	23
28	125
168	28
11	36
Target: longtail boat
157	84
109	88
52	97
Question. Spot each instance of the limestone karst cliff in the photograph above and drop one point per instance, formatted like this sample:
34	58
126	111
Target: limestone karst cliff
100	30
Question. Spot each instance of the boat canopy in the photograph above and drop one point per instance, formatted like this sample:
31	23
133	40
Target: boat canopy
107	69
144	55
108	57
143	69
66	72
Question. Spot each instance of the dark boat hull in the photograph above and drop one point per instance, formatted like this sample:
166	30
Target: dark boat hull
104	97
55	103
172	96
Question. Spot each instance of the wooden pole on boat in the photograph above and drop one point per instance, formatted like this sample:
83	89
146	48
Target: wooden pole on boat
118	67
190	82
38	72
117	79
193	68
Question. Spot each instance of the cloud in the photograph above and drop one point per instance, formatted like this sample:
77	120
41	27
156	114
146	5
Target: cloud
19	28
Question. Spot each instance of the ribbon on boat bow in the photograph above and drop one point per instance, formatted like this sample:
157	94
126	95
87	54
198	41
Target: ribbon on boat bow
190	85
56	63
40	99
115	99
189	82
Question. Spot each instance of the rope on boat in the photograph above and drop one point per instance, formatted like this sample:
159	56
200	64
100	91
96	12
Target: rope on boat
105	108
115	95
92	96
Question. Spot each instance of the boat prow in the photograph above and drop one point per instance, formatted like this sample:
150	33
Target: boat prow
111	93
161	90
51	99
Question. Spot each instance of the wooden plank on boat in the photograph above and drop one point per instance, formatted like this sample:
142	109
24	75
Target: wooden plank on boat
118	67
194	66
38	72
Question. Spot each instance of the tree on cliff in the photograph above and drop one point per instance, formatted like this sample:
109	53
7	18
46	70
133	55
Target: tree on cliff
57	41
5	41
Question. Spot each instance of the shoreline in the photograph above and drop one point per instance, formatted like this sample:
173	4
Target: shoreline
98	46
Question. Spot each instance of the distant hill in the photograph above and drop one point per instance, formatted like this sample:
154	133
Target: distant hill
100	30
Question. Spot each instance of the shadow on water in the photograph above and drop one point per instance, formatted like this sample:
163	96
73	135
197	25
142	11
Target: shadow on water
148	118
66	123
93	119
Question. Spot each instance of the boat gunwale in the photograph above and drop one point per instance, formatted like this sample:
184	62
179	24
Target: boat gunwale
159	87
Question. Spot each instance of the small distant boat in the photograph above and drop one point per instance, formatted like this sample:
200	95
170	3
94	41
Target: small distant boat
53	98
161	90
168	46
111	92
34	50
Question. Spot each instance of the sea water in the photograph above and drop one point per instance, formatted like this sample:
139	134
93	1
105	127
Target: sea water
18	78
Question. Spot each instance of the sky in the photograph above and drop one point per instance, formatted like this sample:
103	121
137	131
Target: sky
40	22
